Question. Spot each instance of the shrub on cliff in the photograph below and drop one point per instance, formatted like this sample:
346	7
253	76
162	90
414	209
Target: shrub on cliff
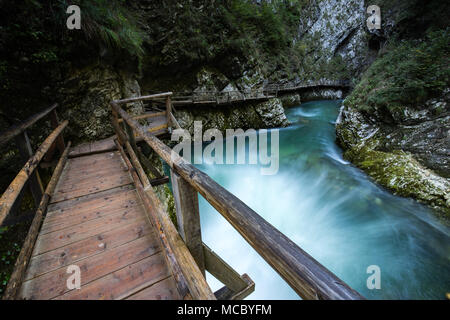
408	74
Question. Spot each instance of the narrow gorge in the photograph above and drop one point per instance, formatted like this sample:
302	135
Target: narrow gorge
363	117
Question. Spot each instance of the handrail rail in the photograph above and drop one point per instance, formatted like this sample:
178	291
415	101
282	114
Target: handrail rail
23	259
15	130
189	279
259	90
149	97
12	192
309	278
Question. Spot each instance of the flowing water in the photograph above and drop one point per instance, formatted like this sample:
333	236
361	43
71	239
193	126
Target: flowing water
335	213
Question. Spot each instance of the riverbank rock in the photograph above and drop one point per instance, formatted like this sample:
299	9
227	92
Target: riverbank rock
290	100
268	114
322	94
86	97
410	159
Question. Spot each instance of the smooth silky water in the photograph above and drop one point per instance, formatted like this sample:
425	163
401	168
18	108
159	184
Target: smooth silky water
334	212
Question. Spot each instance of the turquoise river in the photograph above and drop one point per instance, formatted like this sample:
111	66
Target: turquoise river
334	212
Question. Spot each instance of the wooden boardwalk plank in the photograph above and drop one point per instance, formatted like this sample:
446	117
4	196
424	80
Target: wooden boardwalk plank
53	284
96	185
96	146
107	196
76	251
96	221
74	217
50	241
125	282
162	290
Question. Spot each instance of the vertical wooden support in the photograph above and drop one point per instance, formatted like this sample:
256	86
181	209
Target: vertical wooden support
54	120
188	217
116	125
130	135
59	143
25	150
168	112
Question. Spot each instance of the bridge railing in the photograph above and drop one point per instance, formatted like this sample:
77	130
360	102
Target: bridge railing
218	97
29	175
303	273
259	93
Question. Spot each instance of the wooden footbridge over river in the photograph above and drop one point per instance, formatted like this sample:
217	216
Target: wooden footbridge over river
266	92
99	214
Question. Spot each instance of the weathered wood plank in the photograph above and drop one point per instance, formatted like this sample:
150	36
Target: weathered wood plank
148	165
162	290
98	243
123	198
13	131
10	195
174	121
68	221
159	181
54	120
27	248
53	284
149	97
79	203
181	262
303	273
147	115
226	293
50	241
25	151
137	166
91	148
124	282
222	271
188	218
91	186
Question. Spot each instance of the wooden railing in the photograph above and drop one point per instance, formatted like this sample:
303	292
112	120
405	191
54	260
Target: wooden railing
254	94
303	273
29	174
282	88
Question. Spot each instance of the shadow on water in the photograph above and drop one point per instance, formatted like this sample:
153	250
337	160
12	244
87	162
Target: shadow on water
335	213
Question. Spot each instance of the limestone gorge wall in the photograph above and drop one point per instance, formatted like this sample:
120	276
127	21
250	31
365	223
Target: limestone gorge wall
256	115
411	159
408	155
329	30
85	97
395	125
334	32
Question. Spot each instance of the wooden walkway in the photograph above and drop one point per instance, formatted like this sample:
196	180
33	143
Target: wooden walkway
251	95
96	221
100	214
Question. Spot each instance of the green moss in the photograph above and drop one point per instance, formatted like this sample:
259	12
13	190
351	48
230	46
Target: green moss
399	172
409	74
170	205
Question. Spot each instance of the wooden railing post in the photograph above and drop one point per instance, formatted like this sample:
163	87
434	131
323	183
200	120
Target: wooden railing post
54	120
168	112
188	217
130	133
59	143
12	192
303	273
25	150
23	259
